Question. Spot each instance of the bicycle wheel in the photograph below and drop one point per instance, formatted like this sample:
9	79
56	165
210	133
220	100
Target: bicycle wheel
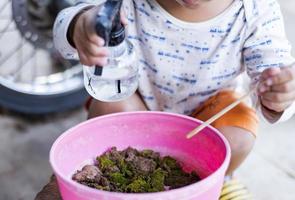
33	77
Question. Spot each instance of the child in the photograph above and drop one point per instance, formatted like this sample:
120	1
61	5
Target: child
191	54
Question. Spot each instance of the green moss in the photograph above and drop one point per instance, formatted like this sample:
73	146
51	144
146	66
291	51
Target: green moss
105	162
138	186
157	180
118	179
178	178
125	168
146	153
123	175
170	162
105	188
98	186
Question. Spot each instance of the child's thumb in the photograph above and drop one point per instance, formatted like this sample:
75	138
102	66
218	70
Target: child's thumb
270	72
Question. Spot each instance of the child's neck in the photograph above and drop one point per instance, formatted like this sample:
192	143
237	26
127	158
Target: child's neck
204	11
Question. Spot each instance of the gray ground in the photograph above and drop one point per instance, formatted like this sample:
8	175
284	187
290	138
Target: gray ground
269	172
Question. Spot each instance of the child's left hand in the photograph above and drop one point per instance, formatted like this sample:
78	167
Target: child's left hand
277	88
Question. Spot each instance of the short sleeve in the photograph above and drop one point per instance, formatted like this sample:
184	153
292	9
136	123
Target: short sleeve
266	45
61	27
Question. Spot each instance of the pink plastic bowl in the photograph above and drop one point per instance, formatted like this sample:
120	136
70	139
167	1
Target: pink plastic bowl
208	153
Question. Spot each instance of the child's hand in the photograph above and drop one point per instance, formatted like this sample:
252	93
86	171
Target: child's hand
89	45
277	88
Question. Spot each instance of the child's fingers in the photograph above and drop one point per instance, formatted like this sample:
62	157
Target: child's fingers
96	51
93	37
88	29
277	107
83	58
285	87
88	25
89	48
279	97
269	73
91	61
286	75
262	87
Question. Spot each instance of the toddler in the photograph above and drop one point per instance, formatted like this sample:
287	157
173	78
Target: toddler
191	55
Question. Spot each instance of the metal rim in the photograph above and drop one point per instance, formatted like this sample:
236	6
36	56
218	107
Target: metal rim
28	62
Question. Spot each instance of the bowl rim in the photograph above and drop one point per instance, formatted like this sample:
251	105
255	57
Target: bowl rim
204	181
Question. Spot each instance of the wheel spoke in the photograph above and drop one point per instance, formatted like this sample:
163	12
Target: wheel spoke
6	27
20	54
20	58
8	30
34	70
11	53
4	5
17	72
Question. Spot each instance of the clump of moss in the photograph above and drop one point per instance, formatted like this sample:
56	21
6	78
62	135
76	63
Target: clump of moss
157	180
170	163
138	185
118	179
105	163
132	171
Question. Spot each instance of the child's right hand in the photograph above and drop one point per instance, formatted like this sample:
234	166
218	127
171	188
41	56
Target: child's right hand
89	45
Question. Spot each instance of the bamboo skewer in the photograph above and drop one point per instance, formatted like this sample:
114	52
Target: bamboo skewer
218	115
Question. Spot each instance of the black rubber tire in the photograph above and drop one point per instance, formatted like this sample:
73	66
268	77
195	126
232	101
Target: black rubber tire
37	104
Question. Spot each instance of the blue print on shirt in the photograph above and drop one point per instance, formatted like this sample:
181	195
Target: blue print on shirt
236	39
208	62
183	79
163	88
215	30
149	98
141	9
155	37
150	5
282	51
222	30
225	76
253	57
170	55
271	21
269	65
149	66
168	22
198	48
134	37
267	42
131	20
182	101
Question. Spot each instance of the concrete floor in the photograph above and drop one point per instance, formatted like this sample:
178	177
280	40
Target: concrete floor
24	150
269	172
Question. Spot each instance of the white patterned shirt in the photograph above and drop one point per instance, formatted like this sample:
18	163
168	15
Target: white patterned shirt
182	64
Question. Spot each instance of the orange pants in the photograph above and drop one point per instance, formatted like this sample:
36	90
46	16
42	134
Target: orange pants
241	116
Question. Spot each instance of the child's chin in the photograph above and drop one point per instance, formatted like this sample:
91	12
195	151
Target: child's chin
188	4
191	6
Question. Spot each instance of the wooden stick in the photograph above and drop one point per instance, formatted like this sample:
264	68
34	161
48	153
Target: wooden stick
218	115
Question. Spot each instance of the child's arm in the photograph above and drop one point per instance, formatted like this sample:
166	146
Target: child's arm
75	36
61	30
267	57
